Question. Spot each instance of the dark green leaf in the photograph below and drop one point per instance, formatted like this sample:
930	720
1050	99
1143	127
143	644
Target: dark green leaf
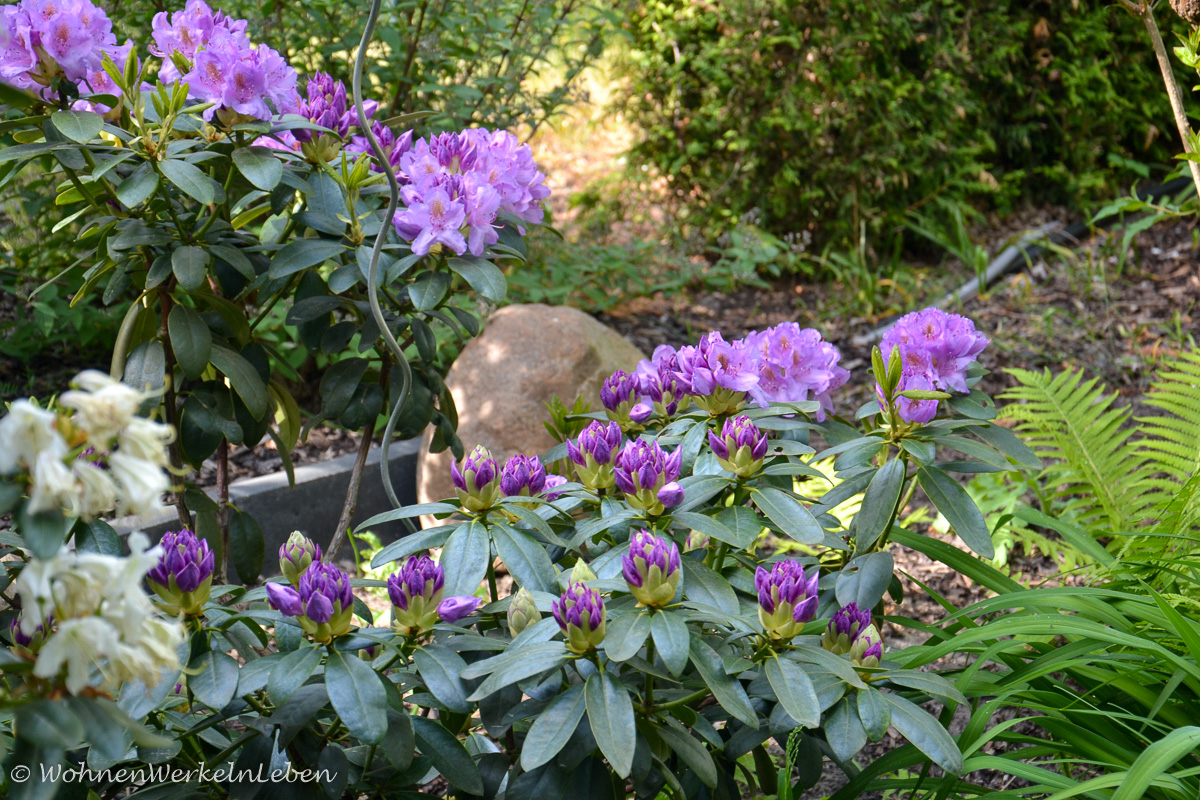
527	662
525	559
958	507
260	166
625	634
49	724
874	712
247	549
702	585
879	504
448	755
792	516
926	733
357	695
690	752
671	638
291	671
552	728
79	126
709	527
190	179
865	579
795	691
728	691
483	276
244	377
212	678
844	730
610	715
191	340
140	184
426	292
465	558
440	669
339	383
302	254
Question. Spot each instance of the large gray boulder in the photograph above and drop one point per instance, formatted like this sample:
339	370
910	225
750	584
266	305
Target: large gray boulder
501	382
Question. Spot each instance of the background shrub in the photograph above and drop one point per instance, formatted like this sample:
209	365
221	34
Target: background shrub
826	115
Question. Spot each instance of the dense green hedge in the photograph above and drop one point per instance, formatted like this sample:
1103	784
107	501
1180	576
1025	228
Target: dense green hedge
825	113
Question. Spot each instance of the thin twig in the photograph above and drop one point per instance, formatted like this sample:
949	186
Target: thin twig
1146	11
351	501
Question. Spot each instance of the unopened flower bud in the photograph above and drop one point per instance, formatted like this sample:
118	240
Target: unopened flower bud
642	469
787	598
741	446
651	569
452	609
476	483
323	602
619	394
580	615
522	476
416	591
844	628
581	572
867	650
522	611
594	452
28	644
183	576
696	541
295	556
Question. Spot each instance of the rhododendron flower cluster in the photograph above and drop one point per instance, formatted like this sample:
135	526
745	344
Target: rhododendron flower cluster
456	184
100	458
936	348
784	364
44	39
238	77
106	632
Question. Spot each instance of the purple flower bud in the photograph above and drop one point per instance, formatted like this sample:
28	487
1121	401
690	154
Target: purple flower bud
850	632
580	614
476	482
452	609
553	482
671	494
32	641
642	468
183	576
415	590
651	569
741	446
787	598
641	412
619	394
323	602
522	476
657	381
284	599
594	452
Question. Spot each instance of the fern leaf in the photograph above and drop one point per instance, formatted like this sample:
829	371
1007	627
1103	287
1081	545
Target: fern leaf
1099	470
1172	442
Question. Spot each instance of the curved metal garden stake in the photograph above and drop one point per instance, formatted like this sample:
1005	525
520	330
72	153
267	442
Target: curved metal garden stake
373	270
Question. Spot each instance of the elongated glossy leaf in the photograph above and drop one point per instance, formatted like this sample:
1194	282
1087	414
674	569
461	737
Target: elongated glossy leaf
879	504
529	662
190	265
709	526
448	755
406	546
792	516
864	580
190	179
671	638
795	691
465	558
212	679
728	692
552	728
702	585
191	340
1008	443
78	126
625	634
958	507
260	166
844	730
525	559
610	714
483	276
291	671
440	670
302	254
930	683
926	734
135	189
874	712
243	377
1156	759
407	512
690	752
357	695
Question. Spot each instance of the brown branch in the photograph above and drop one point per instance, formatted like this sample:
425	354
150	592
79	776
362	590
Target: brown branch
171	411
223	506
1146	11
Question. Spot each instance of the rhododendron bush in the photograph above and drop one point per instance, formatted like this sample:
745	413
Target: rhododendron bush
638	610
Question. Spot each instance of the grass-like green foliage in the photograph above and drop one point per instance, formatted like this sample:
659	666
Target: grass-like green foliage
827	115
1110	675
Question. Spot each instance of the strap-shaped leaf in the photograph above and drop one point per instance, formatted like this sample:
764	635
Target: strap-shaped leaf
958	507
552	728
610	714
357	695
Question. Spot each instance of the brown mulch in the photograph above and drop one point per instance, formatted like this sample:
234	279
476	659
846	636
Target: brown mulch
323	444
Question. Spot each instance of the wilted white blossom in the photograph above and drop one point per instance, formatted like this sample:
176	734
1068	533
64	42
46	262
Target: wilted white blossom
103	406
106	629
25	433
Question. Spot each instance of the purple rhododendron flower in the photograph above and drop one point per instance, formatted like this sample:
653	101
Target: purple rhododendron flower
186	558
580	614
598	441
44	39
787	598
936	348
324	591
459	183
452	609
553	482
394	147
649	476
795	364
522	475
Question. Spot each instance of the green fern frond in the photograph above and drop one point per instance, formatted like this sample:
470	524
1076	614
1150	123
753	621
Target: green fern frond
1102	475
1173	442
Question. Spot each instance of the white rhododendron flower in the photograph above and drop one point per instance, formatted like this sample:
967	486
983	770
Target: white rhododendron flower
26	432
106	630
104	406
54	487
